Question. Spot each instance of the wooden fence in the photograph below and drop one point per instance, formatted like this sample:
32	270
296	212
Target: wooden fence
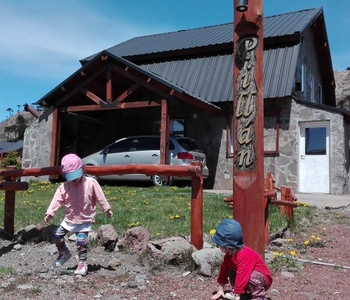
10	185
287	201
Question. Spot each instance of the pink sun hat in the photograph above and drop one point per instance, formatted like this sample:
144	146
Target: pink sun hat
72	166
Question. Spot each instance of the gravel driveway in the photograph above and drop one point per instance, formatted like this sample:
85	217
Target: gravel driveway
120	275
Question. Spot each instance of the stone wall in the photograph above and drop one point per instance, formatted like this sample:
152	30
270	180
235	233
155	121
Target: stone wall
210	133
37	146
285	165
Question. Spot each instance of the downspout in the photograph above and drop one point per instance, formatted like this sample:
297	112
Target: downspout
32	110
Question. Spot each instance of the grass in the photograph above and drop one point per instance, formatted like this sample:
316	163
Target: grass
163	211
6	272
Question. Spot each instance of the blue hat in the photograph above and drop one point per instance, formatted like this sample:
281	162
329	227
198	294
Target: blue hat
74	175
229	234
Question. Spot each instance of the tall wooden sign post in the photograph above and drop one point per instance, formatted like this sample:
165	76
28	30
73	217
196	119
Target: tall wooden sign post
248	121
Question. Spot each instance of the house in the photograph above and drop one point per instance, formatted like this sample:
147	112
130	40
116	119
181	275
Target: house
150	83
6	147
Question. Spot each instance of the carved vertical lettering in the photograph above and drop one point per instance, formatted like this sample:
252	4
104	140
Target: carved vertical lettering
245	102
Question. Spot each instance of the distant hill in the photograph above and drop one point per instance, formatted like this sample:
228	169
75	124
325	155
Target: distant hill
12	121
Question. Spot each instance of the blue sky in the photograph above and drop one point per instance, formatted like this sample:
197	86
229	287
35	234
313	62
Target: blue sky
41	41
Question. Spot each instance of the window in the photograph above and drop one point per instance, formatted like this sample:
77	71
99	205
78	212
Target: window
177	127
271	131
320	94
145	144
312	89
229	137
316	141
122	146
303	78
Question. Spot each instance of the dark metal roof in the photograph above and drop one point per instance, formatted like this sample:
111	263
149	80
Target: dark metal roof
210	78
274	26
76	80
197	76
6	147
207	75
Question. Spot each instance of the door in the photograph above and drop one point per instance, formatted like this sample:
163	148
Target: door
118	153
314	158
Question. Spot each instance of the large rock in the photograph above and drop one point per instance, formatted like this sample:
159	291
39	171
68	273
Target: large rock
173	250
208	259
107	235
136	239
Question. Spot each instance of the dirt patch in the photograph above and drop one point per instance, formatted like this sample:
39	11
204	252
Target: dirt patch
119	275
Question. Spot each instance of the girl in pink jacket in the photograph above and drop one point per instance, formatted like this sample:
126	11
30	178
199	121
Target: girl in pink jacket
78	195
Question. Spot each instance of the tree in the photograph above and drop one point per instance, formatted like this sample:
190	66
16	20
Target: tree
17	130
11	159
10	111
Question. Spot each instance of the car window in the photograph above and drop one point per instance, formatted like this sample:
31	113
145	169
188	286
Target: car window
144	144
122	146
188	144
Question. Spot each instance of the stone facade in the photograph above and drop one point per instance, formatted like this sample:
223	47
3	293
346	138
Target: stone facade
211	133
37	146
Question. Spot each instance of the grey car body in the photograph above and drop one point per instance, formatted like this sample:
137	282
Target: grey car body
146	150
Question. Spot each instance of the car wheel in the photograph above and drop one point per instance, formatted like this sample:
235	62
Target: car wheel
158	180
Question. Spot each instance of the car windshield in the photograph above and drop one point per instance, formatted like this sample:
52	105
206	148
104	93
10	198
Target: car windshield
188	144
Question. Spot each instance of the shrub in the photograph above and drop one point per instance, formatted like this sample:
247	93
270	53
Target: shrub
10	159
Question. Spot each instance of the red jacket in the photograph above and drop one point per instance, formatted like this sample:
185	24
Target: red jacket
243	263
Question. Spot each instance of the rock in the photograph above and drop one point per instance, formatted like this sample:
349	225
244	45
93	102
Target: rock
136	239
208	259
173	250
106	235
114	262
286	274
132	284
48	232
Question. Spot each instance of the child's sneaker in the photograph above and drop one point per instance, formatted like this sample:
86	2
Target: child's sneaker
61	259
229	296
82	268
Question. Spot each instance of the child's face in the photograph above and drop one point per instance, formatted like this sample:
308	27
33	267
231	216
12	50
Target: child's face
224	249
76	181
228	250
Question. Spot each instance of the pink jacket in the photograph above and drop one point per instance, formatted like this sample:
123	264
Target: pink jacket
79	201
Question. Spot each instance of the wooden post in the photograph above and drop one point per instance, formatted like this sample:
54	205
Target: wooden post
197	209
10	188
248	121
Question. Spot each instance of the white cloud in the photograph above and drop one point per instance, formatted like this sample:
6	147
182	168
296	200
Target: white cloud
47	38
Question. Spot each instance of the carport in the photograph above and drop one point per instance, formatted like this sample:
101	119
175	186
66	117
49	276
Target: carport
110	97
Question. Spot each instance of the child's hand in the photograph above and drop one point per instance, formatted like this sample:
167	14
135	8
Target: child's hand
47	218
109	213
219	293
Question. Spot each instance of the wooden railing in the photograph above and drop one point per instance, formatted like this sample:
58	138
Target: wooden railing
287	202
195	171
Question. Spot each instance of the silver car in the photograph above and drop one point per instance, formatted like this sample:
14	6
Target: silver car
145	150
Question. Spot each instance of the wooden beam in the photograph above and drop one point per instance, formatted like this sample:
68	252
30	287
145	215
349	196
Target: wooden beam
55	135
91	95
138	104
79	86
127	93
164	133
109	90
